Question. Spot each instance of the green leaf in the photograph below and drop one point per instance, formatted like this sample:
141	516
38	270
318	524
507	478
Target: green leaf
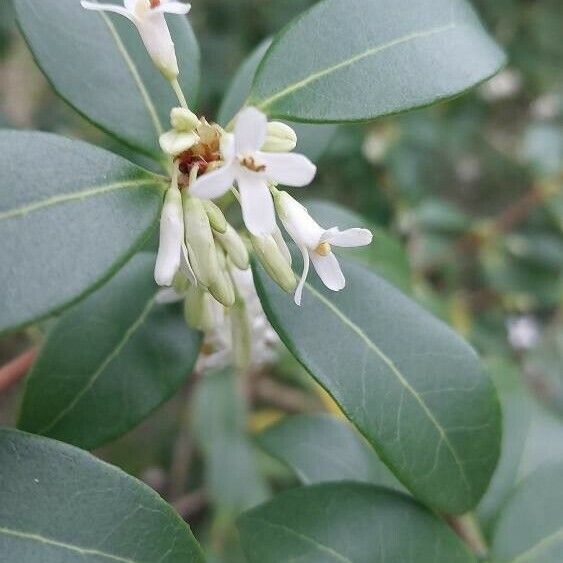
347	523
109	362
99	65
321	448
516	417
61	504
70	216
312	140
386	256
530	528
220	428
410	384
361	59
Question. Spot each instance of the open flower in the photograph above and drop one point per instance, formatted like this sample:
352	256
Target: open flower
316	243
148	16
252	169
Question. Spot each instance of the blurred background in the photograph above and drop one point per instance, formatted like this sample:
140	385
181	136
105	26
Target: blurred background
466	200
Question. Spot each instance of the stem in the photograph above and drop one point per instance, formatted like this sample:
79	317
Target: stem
16	369
468	528
179	94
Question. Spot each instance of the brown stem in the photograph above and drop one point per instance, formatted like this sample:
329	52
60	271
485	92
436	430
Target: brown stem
16	369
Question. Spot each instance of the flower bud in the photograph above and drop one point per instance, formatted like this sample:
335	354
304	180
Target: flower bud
280	138
200	243
198	310
241	335
183	120
215	215
222	287
234	247
274	262
174	143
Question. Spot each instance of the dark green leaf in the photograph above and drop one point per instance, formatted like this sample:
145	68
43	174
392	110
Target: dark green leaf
410	384
62	505
220	427
530	527
360	59
347	523
386	255
109	362
312	140
70	216
321	448
99	65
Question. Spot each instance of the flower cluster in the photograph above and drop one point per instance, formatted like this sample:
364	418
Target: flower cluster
201	255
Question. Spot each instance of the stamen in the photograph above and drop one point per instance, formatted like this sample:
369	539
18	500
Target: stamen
324	249
251	164
154	4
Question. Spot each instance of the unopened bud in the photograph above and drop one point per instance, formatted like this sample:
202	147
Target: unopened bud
274	262
183	120
198	309
234	247
280	138
175	143
222	287
200	243
215	215
241	335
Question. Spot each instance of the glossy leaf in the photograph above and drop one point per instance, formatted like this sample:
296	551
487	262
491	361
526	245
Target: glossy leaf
109	362
410	384
70	216
347	522
312	140
530	528
60	505
360	59
386	256
98	64
322	448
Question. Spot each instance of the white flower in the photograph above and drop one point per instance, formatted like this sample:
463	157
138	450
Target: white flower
148	16
523	333
252	170
183	135
169	256
315	243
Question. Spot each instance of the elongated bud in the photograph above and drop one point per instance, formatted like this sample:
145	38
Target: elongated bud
234	247
200	243
274	262
183	120
215	215
198	310
222	287
171	236
241	335
280	138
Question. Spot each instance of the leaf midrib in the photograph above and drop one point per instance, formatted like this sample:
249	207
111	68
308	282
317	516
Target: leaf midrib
70	547
102	367
66	198
395	370
544	543
348	62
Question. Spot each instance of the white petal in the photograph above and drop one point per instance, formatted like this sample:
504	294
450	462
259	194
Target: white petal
306	265
329	271
257	204
175	143
288	169
227	147
171	7
348	238
302	228
109	8
171	239
250	131
214	184
185	266
168	295
158	42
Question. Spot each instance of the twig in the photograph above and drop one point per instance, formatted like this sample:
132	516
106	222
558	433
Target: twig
16	369
468	529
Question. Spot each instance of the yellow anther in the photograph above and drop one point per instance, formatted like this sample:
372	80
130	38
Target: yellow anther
251	164
324	249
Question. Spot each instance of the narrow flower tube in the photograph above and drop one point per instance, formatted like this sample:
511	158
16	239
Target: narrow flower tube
171	238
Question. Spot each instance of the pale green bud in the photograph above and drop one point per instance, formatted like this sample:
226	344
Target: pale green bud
183	120
198	310
241	335
274	262
222	287
175	143
215	215
280	138
200	242
234	247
